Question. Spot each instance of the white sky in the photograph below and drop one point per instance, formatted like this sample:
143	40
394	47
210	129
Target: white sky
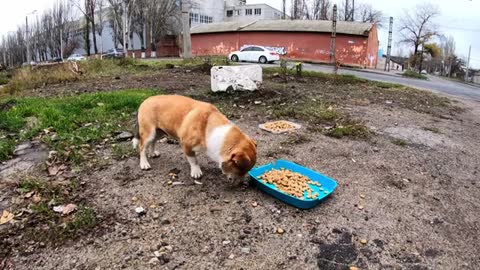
459	18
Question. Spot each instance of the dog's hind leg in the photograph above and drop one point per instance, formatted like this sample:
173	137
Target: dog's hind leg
147	136
159	134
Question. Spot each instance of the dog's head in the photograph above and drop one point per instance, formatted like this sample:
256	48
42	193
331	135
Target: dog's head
240	159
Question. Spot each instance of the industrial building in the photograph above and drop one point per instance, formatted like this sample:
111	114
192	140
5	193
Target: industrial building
356	42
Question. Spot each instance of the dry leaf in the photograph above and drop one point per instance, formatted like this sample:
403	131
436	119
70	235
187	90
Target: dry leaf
29	194
36	198
65	209
6	217
52	171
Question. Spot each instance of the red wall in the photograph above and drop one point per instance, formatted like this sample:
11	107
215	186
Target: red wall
315	47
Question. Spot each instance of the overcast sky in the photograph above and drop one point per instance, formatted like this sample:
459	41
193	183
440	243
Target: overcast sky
459	18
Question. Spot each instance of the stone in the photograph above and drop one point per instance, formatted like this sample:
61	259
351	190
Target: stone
124	136
245	250
231	257
226	242
140	211
224	78
31	122
154	261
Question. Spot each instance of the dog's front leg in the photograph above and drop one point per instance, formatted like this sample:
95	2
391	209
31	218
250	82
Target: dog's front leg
195	170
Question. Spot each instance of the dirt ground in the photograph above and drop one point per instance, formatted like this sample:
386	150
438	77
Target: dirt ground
410	189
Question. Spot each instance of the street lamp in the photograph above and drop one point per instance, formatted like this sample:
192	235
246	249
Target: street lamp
27	37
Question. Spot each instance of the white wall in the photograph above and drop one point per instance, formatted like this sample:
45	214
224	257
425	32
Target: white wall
239	13
212	8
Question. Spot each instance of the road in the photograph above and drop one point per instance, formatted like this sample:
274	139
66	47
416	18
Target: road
435	84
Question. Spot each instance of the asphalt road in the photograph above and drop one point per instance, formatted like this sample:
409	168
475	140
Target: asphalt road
435	84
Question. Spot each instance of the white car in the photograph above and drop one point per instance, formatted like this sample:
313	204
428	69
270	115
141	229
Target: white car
76	57
254	54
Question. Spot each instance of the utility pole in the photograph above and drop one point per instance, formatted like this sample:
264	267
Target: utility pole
334	35
27	39
61	43
353	10
468	62
124	28
389	48
187	41
283	10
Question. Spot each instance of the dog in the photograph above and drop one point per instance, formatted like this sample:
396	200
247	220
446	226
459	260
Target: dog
199	127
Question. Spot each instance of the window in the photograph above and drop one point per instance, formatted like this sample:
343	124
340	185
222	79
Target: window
195	16
247	49
248	11
257	49
202	19
258	11
210	19
229	13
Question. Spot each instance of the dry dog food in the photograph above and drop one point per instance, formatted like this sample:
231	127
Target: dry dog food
291	183
278	126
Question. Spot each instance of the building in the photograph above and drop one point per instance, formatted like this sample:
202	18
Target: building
206	11
304	40
395	64
243	12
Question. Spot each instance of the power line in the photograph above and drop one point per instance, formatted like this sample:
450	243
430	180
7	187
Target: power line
460	28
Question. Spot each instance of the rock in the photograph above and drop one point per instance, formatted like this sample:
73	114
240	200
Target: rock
31	122
158	253
140	211
124	136
363	241
226	242
154	261
257	102
229	219
245	250
362	196
280	231
177	183
375	149
197	182
388	102
254	204
225	78
231	257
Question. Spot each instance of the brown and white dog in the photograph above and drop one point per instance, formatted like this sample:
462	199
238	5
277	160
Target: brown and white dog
199	127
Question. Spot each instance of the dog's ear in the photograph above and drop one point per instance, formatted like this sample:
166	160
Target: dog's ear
242	161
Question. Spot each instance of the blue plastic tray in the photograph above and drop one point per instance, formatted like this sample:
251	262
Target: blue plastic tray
327	184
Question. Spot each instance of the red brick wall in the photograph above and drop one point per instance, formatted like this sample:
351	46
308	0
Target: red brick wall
315	47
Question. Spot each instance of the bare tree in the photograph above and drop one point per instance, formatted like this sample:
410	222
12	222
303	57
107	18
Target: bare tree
366	13
417	27
163	18
317	9
87	8
100	25
448	53
298	10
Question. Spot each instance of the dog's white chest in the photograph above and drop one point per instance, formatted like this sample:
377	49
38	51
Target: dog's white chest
215	142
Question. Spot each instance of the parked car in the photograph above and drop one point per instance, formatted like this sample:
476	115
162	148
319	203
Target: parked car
32	63
56	60
76	57
113	53
424	72
254	54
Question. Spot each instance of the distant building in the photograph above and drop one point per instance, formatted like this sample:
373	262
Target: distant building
243	12
395	64
304	40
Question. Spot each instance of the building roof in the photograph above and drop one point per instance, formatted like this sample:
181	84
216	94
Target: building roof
349	28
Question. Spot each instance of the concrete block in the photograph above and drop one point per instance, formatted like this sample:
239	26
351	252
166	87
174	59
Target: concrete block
241	78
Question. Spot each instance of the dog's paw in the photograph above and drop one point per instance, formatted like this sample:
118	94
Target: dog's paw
155	154
196	172
144	165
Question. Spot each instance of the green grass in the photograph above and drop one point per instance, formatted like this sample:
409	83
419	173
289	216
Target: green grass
105	113
400	142
433	129
85	218
322	76
350	129
4	78
414	74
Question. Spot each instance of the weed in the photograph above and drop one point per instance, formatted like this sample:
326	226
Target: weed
400	142
121	151
3	78
85	218
28	185
295	139
7	146
433	129
349	129
414	74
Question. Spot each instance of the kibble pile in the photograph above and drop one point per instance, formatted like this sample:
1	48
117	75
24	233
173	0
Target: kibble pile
292	183
278	126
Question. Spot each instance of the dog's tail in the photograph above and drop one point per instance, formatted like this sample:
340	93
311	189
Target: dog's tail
135	140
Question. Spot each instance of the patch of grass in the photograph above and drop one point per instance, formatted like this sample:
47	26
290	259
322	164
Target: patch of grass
400	142
121	151
7	146
67	118
295	139
275	153
414	74
85	219
349	129
432	129
27	185
340	79
386	85
4	78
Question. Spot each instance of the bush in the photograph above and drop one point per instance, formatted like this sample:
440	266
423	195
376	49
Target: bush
414	74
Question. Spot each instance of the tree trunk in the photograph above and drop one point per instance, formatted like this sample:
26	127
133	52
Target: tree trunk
87	36
92	20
